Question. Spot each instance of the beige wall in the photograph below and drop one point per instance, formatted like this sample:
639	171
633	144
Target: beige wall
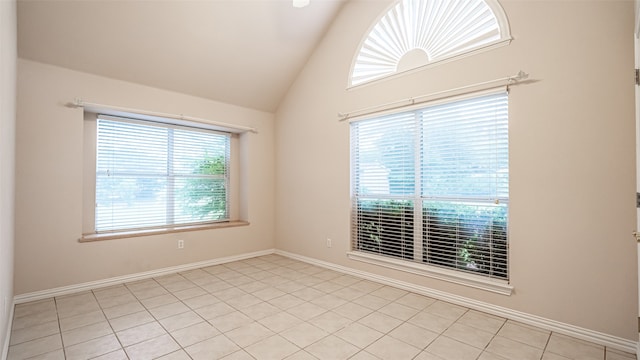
572	256
7	137
49	182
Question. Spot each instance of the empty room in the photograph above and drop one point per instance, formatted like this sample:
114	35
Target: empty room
319	179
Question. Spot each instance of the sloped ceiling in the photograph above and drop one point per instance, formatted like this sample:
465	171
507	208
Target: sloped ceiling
240	52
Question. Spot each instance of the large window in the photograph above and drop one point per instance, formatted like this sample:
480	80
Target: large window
157	175
431	185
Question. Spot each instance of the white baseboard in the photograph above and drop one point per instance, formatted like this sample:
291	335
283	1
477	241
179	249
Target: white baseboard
65	290
7	337
544	323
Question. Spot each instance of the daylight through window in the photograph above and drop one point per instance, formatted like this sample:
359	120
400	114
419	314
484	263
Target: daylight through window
156	175
431	185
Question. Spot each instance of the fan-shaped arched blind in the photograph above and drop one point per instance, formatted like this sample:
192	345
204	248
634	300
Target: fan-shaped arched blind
414	33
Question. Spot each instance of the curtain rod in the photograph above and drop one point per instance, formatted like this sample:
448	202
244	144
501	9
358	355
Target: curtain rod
114	110
509	80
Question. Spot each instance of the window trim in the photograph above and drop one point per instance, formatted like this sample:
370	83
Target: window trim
495	285
235	201
462	278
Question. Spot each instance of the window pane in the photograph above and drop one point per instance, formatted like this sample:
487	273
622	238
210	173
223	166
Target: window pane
150	174
385	227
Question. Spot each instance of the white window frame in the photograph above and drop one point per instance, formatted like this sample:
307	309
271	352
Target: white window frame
499	286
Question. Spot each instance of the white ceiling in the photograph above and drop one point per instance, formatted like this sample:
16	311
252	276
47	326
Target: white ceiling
240	52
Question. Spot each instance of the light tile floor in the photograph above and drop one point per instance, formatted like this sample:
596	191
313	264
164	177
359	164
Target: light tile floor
272	307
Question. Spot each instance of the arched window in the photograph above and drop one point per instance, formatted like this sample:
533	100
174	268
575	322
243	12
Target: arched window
415	33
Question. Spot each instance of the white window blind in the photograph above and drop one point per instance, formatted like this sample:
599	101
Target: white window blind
432	185
157	175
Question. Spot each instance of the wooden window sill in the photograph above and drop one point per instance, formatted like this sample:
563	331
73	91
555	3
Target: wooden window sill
159	231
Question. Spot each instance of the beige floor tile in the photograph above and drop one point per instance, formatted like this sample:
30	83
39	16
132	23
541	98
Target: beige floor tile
201	301
301	355
304	334
389	348
216	286
307	293
73	306
372	302
389	293
414	335
229	293
482	321
363	355
268	293
35	347
271	348
510	349
86	333
140	333
230	321
489	356
381	322
446	310
149	292
260	311
574	348
290	287
152	348
552	356
214	348
330	321
329	301
160	300
332	348
54	355
77	321
176	355
131	320
327	287
449	349
194	334
169	279
238	355
415	301
359	335
33	319
93	348
398	311
114	355
179	286
165	311
253	286
34	307
249	334
352	311
34	332
469	335
285	301
214	310
431	322
279	322
243	301
306	311
348	293
122	299
367	286
525	334
180	321
122	310
427	356
189	293
240	280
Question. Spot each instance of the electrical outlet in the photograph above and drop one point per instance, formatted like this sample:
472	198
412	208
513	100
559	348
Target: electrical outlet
180	244
328	242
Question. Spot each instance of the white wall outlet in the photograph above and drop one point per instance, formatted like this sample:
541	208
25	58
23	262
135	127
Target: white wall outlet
180	244
328	242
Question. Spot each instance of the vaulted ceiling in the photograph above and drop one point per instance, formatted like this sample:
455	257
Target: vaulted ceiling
242	52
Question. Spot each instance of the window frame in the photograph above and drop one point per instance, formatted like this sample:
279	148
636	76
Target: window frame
417	197
234	201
